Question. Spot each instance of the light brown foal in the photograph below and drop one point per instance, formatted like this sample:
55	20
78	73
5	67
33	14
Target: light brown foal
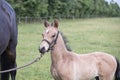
67	65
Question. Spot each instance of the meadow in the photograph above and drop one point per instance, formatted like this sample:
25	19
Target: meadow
84	36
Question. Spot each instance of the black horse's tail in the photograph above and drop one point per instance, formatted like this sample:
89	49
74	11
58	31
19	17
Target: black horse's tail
117	73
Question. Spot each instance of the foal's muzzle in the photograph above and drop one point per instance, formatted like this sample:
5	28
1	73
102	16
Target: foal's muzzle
42	50
44	47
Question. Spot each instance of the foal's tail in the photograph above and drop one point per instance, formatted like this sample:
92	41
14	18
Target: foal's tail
117	73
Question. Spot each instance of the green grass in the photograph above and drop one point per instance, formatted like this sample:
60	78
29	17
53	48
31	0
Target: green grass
84	36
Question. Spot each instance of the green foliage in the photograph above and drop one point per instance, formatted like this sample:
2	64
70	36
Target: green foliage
65	8
34	8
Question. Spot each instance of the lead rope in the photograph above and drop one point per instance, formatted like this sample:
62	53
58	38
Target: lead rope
28	64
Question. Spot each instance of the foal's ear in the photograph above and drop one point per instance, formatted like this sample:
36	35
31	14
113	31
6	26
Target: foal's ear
56	23
46	23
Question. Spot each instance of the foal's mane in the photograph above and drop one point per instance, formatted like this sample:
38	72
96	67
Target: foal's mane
65	41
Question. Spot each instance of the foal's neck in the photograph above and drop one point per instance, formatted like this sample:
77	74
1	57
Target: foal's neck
59	51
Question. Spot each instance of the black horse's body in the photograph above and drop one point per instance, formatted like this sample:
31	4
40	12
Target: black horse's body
8	39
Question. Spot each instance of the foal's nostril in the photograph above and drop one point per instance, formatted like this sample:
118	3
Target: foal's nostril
42	50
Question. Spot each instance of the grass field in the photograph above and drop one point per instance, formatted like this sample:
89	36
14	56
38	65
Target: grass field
84	36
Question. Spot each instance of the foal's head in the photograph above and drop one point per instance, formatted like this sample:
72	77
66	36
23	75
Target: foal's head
50	36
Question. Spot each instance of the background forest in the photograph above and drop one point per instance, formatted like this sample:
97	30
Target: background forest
65	8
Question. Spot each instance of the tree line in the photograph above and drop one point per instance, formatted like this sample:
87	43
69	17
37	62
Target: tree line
65	8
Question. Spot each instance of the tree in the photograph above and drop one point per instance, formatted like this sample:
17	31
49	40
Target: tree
65	8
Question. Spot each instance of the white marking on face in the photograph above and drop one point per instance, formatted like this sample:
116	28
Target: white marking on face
47	31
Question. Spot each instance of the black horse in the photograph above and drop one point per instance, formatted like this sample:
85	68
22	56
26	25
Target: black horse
8	39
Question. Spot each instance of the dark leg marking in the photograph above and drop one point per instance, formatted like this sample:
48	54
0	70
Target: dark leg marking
97	77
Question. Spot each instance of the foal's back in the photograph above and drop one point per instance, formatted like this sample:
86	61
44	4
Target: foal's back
95	64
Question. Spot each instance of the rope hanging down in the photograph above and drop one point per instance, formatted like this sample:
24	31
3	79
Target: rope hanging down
28	64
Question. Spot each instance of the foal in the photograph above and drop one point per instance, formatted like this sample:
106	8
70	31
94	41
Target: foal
67	65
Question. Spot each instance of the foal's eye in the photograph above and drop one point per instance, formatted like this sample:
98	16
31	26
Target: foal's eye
53	36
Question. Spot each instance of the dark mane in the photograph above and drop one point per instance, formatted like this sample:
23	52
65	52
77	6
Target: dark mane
65	41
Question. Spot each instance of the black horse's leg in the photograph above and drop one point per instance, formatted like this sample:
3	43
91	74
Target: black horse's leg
13	73
11	51
4	66
8	62
97	77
